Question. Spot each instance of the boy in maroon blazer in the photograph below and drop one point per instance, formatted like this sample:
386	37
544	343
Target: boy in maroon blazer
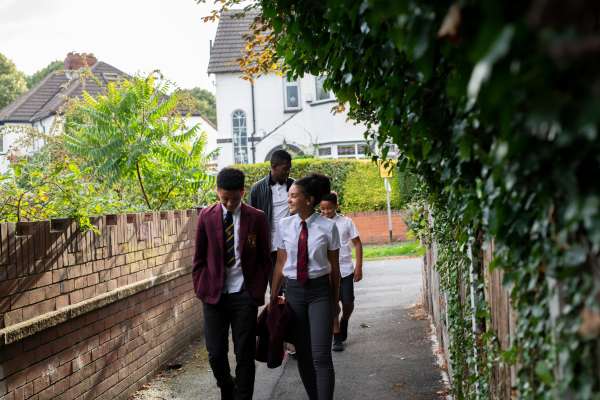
230	273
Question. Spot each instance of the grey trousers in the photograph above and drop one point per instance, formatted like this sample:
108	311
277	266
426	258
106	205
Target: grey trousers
313	329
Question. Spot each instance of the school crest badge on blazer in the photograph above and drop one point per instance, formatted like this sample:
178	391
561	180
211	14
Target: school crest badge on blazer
251	241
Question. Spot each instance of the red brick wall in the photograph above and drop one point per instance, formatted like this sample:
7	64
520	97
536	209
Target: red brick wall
91	316
46	266
373	226
105	354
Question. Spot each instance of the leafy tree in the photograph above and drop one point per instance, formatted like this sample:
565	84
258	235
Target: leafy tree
33	80
134	134
12	81
201	101
51	184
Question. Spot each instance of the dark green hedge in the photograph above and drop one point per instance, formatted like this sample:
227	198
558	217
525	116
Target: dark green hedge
357	182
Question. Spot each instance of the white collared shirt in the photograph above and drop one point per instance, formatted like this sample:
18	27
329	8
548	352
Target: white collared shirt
322	236
280	210
234	278
347	231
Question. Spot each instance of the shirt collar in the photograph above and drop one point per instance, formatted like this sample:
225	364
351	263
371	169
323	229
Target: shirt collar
236	212
272	182
309	220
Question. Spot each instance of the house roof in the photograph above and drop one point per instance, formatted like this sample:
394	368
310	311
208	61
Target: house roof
48	96
229	41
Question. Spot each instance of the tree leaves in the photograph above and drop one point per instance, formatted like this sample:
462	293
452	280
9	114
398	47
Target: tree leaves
500	124
135	134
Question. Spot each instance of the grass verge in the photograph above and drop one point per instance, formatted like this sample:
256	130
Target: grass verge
407	249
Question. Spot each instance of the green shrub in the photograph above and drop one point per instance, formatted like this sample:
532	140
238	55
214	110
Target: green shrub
364	189
357	182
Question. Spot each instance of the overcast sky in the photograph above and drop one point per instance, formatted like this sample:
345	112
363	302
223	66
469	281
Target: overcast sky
132	35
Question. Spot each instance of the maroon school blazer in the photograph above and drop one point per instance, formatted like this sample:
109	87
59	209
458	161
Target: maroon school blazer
255	249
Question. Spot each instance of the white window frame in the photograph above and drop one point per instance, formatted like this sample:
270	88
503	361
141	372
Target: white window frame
325	155
353	155
286	84
238	136
329	92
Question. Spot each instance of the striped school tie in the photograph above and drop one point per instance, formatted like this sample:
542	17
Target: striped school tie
229	241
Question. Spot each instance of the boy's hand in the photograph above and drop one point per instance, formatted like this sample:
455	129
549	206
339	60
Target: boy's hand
358	275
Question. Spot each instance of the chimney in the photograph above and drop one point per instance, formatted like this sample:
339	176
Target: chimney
75	61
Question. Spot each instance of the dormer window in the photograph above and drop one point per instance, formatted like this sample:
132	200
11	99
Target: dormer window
110	76
291	95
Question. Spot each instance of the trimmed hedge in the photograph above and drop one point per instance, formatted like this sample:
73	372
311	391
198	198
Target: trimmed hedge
357	182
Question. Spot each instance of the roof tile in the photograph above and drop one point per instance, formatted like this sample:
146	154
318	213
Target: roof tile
229	40
47	97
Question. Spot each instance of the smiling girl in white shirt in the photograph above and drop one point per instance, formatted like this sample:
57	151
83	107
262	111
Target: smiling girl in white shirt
308	259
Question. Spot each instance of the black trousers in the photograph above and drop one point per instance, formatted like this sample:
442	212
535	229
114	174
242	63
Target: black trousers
313	328
239	311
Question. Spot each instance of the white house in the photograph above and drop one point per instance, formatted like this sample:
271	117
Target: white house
39	107
255	119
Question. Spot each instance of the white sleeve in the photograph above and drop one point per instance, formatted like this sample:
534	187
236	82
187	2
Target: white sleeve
334	238
278	240
353	230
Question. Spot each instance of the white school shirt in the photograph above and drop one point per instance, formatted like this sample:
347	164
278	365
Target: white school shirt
347	231
322	236
280	210
234	277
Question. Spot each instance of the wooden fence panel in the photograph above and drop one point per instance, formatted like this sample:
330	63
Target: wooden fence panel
502	315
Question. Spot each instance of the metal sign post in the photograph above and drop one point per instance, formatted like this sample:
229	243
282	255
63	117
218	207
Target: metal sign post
388	191
386	172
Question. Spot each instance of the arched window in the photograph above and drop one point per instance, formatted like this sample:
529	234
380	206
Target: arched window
240	137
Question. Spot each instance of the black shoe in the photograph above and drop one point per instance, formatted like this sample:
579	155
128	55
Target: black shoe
227	392
343	330
337	345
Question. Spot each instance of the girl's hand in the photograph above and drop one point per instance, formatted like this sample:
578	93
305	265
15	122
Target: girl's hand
276	300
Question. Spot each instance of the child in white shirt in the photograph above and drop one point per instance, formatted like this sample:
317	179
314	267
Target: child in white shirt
349	273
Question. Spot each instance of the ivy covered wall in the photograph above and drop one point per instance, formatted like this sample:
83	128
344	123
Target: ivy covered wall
495	106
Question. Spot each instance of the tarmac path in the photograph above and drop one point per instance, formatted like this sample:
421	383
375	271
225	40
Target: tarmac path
388	353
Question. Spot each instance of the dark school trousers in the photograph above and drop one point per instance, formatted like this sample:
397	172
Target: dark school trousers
239	311
312	327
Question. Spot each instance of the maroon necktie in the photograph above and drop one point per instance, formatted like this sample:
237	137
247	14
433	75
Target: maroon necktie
302	263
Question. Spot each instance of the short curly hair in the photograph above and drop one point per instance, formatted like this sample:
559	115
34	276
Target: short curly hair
230	179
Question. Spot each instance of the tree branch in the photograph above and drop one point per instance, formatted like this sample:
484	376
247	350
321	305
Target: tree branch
139	176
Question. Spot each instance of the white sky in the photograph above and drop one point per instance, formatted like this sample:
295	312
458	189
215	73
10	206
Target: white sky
132	35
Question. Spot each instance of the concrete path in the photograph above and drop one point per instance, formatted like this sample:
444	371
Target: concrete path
388	353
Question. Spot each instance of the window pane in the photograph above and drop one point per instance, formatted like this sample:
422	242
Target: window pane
362	149
291	96
320	93
240	137
324	151
347	150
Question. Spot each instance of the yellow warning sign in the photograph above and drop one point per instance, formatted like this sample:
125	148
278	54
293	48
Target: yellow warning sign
386	168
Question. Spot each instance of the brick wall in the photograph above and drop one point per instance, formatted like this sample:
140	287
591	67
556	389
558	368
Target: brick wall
373	226
86	315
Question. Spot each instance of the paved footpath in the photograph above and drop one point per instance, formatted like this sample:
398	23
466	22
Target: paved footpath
388	353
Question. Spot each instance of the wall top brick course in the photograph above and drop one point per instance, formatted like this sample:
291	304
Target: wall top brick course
48	266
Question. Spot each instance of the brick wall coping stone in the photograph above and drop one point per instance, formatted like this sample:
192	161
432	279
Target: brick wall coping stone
16	332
